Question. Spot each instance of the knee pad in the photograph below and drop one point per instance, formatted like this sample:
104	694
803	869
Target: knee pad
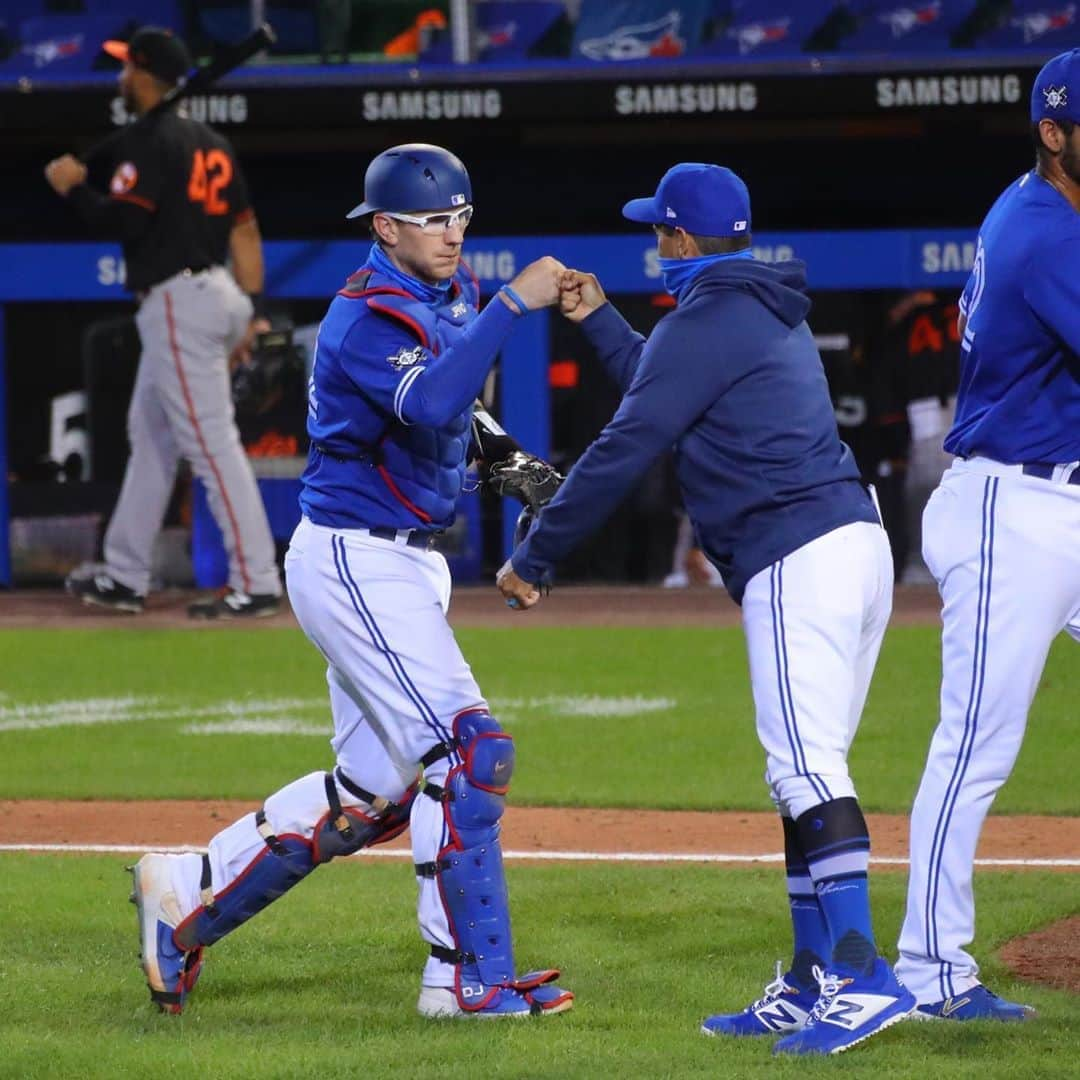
289	858
469	869
476	789
345	830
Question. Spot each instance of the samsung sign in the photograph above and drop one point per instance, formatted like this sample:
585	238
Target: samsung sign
949	90
667	99
381	105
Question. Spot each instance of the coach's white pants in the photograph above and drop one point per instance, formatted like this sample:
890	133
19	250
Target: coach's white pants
376	610
1005	550
814	621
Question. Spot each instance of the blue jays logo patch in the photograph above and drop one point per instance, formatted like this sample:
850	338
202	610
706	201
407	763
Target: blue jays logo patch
404	357
1056	96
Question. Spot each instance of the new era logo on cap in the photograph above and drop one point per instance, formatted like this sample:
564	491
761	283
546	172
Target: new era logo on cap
740	226
457	200
670	213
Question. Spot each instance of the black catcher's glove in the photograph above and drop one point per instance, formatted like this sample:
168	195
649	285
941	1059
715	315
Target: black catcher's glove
530	480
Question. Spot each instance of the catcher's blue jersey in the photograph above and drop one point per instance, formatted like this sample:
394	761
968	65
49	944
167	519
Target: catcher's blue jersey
390	402
1019	396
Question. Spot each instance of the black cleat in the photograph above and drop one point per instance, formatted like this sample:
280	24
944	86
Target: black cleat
232	604
101	591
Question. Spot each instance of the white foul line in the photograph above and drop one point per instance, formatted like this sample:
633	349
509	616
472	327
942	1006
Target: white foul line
540	856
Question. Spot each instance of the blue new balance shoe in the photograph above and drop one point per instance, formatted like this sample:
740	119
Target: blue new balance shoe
783	1008
171	972
978	1003
850	1009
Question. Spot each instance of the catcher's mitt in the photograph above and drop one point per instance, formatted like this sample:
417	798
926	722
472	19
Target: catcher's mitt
530	480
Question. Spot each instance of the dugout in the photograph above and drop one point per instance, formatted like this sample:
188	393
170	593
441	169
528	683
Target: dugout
875	169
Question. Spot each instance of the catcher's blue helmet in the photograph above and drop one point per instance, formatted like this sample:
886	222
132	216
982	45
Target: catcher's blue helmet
414	176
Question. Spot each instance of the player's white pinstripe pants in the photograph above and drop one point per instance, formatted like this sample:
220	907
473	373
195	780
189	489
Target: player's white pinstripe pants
814	621
1004	550
376	610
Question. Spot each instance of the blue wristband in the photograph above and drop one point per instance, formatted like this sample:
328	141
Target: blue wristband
523	308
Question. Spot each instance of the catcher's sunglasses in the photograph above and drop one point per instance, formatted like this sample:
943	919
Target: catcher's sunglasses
433	224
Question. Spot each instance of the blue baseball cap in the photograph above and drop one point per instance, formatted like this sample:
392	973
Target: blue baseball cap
706	200
1056	93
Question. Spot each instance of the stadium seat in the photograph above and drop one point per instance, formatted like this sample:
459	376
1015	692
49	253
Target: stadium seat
1048	25
759	29
614	30
506	30
905	25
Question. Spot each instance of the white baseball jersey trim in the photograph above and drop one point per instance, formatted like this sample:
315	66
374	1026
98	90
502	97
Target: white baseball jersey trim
403	388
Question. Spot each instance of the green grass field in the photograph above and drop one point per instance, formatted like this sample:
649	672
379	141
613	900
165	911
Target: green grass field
325	983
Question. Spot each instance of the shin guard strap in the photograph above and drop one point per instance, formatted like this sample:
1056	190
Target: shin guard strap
269	838
452	956
430	869
437	753
436	792
376	802
206	888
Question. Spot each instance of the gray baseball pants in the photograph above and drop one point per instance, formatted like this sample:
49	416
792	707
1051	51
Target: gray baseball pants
182	408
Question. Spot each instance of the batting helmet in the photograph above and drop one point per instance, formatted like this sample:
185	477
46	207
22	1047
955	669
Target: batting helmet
415	176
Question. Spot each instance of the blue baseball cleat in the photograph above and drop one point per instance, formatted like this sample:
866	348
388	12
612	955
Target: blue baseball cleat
978	1003
171	972
851	1008
783	1008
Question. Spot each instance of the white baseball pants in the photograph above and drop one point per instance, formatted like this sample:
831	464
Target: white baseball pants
814	621
1003	548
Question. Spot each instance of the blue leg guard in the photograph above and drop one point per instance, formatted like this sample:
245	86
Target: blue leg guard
287	860
472	883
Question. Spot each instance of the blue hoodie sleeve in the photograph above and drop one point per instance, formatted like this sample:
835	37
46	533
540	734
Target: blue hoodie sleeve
679	377
617	344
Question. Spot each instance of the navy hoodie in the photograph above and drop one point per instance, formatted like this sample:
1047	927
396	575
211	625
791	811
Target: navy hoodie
731	380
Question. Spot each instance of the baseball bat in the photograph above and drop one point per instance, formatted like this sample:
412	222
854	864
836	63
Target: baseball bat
198	79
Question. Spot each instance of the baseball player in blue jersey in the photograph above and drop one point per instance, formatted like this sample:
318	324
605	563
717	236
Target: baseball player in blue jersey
1000	536
400	358
731	379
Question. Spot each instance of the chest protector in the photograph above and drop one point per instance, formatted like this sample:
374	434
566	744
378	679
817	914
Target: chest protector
423	467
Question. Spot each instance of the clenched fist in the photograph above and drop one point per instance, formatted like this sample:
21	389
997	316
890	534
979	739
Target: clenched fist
64	173
580	294
537	284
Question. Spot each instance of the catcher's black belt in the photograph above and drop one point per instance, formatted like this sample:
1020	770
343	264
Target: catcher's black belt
416	538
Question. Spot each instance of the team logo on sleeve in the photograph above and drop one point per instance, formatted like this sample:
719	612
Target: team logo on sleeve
1057	97
124	179
404	358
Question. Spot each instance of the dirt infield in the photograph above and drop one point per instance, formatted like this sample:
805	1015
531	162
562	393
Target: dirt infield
525	829
472	605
